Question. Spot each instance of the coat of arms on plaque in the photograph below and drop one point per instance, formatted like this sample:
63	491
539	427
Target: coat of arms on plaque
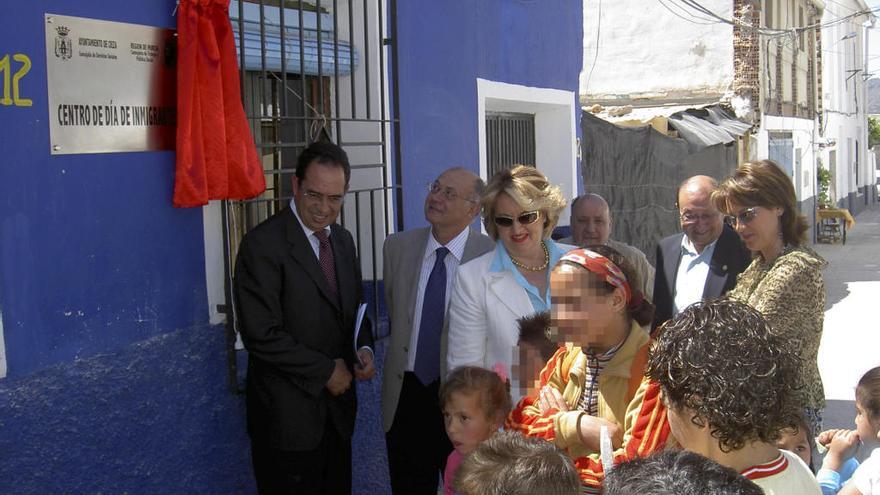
63	44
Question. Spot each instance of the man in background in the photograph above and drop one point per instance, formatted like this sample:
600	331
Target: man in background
591	225
703	260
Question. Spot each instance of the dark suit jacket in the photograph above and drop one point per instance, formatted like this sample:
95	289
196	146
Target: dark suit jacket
293	330
729	260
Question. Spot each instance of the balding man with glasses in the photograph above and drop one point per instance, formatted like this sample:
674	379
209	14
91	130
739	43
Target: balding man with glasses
591	225
419	268
701	262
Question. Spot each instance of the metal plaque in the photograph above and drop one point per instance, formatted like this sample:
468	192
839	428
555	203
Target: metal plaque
111	86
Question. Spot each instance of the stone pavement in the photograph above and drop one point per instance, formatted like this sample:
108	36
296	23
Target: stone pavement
851	337
370	460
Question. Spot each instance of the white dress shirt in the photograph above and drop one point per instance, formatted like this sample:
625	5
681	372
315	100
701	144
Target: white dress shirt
692	272
310	234
316	245
452	260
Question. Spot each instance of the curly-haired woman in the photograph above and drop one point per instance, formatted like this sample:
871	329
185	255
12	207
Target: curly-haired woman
728	385
784	281
722	385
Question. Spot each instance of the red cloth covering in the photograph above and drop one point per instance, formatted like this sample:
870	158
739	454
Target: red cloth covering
216	156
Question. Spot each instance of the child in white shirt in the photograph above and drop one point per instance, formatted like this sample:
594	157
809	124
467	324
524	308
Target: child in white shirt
866	479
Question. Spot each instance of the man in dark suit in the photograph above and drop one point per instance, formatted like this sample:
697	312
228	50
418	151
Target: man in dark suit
415	434
297	288
703	261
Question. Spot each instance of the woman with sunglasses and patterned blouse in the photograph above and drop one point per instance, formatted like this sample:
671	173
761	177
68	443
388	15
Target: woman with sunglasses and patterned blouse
784	280
520	210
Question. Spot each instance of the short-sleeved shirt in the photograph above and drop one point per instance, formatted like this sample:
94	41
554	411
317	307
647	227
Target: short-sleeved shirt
785	475
867	476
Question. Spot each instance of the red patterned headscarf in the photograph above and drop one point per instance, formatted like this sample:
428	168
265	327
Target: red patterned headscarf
605	269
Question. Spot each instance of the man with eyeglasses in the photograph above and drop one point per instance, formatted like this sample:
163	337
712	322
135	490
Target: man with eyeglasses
591	225
701	262
297	288
419	269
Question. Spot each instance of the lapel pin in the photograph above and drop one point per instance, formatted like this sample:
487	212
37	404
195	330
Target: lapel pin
724	268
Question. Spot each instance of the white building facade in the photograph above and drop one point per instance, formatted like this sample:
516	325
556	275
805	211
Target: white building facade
793	68
844	122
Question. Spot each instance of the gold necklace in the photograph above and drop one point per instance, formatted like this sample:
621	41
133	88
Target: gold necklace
535	268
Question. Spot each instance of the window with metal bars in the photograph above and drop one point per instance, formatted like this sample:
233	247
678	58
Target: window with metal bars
318	70
510	140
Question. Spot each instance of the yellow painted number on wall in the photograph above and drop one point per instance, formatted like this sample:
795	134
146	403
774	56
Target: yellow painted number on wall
10	80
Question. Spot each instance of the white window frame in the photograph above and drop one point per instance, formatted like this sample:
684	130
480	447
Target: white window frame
212	231
555	129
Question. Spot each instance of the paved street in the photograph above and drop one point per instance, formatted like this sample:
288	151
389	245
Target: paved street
851	339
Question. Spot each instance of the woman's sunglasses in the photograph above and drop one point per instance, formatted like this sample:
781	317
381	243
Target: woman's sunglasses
743	217
524	218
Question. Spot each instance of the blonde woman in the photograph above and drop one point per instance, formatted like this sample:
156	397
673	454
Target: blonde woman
520	209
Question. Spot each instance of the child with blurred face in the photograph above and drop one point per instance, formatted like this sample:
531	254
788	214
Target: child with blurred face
533	351
595	317
584	313
840	445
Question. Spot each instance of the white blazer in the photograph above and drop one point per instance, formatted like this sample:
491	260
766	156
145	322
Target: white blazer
482	315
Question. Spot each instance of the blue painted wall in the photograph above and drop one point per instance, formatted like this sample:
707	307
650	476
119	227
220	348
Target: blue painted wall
94	257
152	417
443	47
116	382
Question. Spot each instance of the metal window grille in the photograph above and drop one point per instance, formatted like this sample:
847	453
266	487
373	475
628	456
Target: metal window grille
510	140
318	70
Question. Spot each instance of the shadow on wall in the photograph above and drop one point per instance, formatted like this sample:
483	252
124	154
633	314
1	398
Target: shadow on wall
156	417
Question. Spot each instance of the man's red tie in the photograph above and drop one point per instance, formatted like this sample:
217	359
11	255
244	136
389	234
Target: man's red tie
325	259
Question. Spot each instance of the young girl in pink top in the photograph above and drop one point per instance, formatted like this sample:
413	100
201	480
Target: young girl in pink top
475	402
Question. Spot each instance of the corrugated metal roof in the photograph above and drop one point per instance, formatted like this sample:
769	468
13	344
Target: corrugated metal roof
707	126
700	126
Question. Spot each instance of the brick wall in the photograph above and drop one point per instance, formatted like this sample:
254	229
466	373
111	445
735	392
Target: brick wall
778	94
777	102
794	82
746	54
